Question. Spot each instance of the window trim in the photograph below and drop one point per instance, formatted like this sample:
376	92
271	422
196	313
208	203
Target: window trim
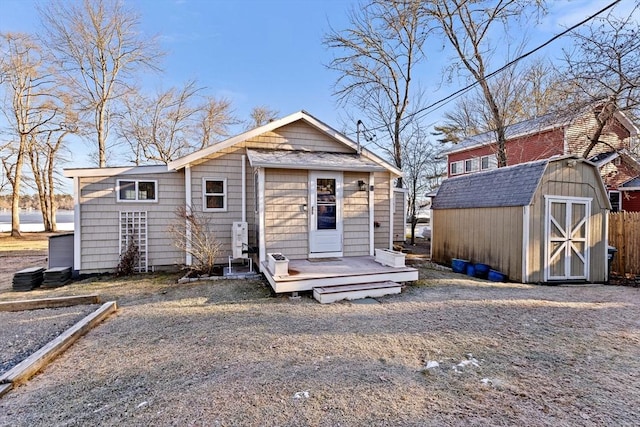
224	194
475	166
137	191
459	166
609	193
490	164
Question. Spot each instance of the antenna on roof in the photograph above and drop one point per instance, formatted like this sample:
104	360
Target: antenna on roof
368	136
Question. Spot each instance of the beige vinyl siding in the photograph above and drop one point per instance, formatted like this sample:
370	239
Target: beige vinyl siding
579	181
399	213
100	213
297	136
227	164
286	220
355	215
579	132
486	235
382	215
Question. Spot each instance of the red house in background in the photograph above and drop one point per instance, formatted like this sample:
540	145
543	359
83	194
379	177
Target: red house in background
551	135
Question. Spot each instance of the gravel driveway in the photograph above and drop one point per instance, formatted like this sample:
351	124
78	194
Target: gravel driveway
447	351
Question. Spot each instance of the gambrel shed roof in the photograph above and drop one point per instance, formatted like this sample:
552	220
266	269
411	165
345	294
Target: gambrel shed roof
509	186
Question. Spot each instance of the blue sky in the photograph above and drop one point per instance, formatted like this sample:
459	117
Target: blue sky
269	52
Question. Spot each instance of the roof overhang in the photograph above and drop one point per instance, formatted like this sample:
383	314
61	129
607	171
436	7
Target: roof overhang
133	170
309	160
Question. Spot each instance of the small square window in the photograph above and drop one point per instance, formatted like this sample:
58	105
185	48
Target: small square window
488	162
214	194
456	168
146	190
471	165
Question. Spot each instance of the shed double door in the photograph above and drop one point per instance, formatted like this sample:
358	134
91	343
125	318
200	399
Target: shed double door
566	243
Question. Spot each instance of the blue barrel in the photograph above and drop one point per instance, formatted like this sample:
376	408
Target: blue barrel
482	270
459	265
496	276
471	270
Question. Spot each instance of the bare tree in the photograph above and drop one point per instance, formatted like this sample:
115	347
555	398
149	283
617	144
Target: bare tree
375	60
215	116
193	233
44	155
100	47
261	115
27	97
423	169
469	26
519	95
604	70
172	123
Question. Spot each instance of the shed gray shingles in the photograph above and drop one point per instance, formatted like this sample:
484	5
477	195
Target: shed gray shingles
510	186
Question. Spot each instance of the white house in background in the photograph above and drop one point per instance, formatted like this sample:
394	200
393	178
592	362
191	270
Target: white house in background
294	186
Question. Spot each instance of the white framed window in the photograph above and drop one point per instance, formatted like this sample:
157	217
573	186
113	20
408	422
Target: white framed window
133	190
455	168
214	194
471	165
488	162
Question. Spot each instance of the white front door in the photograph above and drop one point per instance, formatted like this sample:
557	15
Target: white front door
567	248
325	214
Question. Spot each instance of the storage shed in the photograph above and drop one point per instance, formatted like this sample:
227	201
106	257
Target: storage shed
536	222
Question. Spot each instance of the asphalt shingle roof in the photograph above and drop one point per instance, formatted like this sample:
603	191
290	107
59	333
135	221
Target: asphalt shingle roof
509	186
527	127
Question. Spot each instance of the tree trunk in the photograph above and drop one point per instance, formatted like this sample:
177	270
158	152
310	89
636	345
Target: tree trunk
51	206
15	195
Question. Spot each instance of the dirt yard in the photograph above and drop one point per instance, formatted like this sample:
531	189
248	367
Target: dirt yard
449	350
17	254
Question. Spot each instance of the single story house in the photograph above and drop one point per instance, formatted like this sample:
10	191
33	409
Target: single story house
556	135
294	186
536	222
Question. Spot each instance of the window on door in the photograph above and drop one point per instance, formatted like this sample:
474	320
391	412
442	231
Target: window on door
326	202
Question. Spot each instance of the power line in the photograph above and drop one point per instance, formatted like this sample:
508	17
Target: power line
443	101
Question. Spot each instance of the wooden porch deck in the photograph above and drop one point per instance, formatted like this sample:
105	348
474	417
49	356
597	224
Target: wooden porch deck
306	274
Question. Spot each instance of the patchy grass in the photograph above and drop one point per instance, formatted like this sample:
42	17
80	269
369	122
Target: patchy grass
27	242
228	353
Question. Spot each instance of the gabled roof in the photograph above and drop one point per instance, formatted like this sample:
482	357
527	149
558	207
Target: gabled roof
373	161
508	186
271	126
533	126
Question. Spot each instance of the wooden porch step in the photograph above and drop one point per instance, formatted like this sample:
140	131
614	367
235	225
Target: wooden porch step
328	294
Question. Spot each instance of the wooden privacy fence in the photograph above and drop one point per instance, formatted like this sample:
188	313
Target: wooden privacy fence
624	234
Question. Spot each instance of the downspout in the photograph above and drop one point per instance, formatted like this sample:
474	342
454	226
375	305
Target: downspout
187	196
261	218
371	215
77	237
244	189
391	209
